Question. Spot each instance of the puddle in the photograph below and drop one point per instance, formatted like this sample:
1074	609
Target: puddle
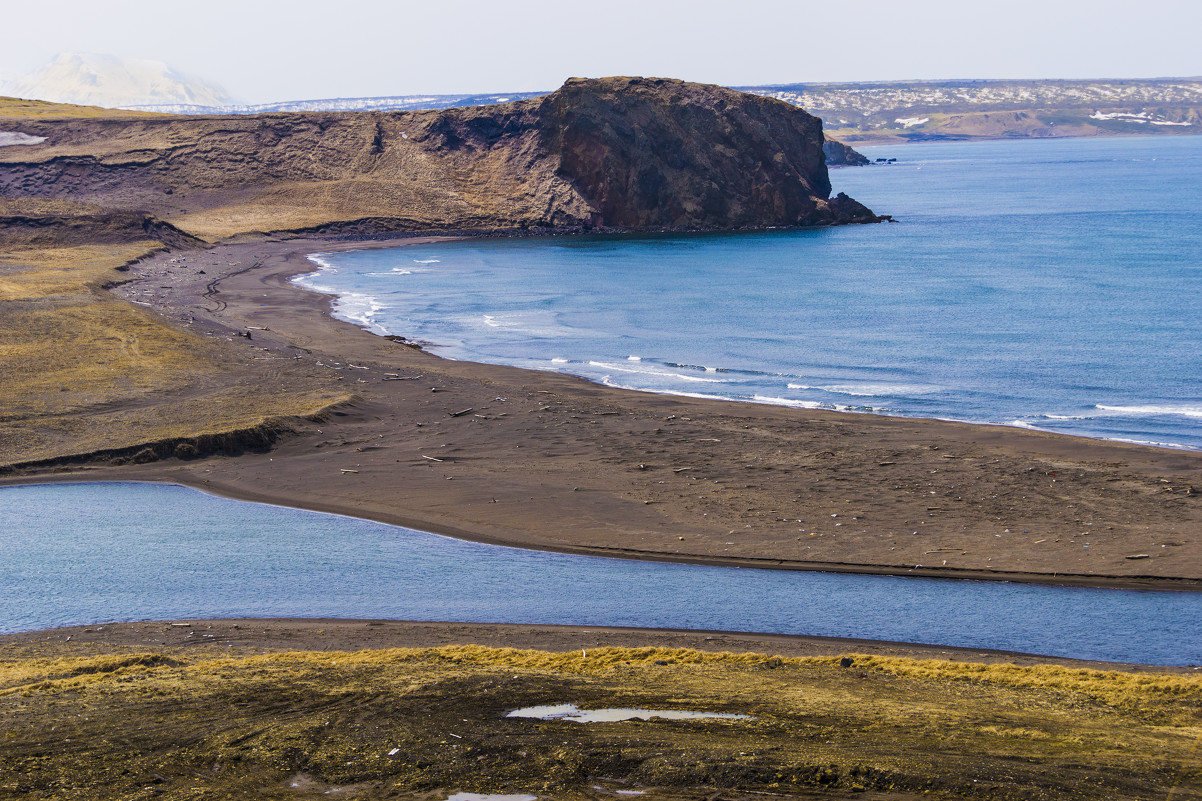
304	783
490	797
571	712
18	138
628	793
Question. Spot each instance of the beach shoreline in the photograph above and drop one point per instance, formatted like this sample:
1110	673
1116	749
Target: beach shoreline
550	461
415	307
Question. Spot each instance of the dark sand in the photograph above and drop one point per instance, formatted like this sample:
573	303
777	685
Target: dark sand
549	461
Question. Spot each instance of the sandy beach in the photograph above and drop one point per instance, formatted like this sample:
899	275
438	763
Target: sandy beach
546	460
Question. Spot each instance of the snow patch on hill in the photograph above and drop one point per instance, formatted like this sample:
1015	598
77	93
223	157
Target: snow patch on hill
91	79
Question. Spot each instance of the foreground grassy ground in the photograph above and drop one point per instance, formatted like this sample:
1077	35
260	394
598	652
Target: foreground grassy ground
421	723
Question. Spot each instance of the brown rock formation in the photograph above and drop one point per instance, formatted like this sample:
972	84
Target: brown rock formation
653	153
622	153
841	155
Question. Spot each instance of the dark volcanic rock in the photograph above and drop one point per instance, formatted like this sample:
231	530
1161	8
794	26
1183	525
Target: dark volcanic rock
840	155
655	153
27	225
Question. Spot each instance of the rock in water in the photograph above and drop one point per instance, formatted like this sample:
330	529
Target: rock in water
841	155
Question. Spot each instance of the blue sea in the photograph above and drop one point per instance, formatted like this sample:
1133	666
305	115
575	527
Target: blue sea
1046	284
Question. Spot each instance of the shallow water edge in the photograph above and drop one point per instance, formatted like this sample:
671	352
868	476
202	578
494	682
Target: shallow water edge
300	502
160	551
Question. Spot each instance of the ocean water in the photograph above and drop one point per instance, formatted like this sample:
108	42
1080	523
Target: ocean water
95	553
1042	284
1051	284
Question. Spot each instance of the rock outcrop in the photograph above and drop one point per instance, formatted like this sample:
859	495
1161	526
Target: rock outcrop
612	153
39	223
841	155
651	153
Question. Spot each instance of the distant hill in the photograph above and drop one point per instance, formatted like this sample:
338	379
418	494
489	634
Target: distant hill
89	79
851	112
390	103
950	110
893	112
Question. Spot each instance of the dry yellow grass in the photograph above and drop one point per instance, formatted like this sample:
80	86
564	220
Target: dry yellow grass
32	274
395	723
17	108
85	371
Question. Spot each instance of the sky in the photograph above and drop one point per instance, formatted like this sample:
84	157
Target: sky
263	51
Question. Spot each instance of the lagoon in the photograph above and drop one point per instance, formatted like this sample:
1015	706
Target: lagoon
93	553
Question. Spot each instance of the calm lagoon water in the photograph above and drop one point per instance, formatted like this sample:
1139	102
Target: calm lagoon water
1044	284
93	553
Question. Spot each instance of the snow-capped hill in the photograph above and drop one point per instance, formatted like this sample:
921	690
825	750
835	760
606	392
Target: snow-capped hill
98	80
391	103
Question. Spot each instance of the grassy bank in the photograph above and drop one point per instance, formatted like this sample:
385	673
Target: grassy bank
87	372
419	723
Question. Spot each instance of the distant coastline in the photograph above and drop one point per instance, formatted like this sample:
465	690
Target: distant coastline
891	112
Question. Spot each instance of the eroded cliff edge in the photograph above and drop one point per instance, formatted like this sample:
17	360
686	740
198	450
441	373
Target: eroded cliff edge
611	153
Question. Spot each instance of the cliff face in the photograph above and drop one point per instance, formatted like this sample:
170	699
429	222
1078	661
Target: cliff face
624	153
658	153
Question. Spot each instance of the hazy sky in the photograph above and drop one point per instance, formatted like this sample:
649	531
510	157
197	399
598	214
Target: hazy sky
269	50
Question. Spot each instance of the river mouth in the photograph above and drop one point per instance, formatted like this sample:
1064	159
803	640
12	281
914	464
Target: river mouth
96	553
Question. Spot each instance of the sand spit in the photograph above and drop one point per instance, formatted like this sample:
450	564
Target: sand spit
549	461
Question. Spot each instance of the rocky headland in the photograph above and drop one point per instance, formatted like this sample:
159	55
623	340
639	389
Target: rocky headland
610	154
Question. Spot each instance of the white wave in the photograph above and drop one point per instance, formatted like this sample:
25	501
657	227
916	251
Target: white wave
533	324
797	404
307	282
634	358
658	373
872	390
1184	410
609	382
1024	424
1064	417
360	308
1153	443
320	259
559	361
426	261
